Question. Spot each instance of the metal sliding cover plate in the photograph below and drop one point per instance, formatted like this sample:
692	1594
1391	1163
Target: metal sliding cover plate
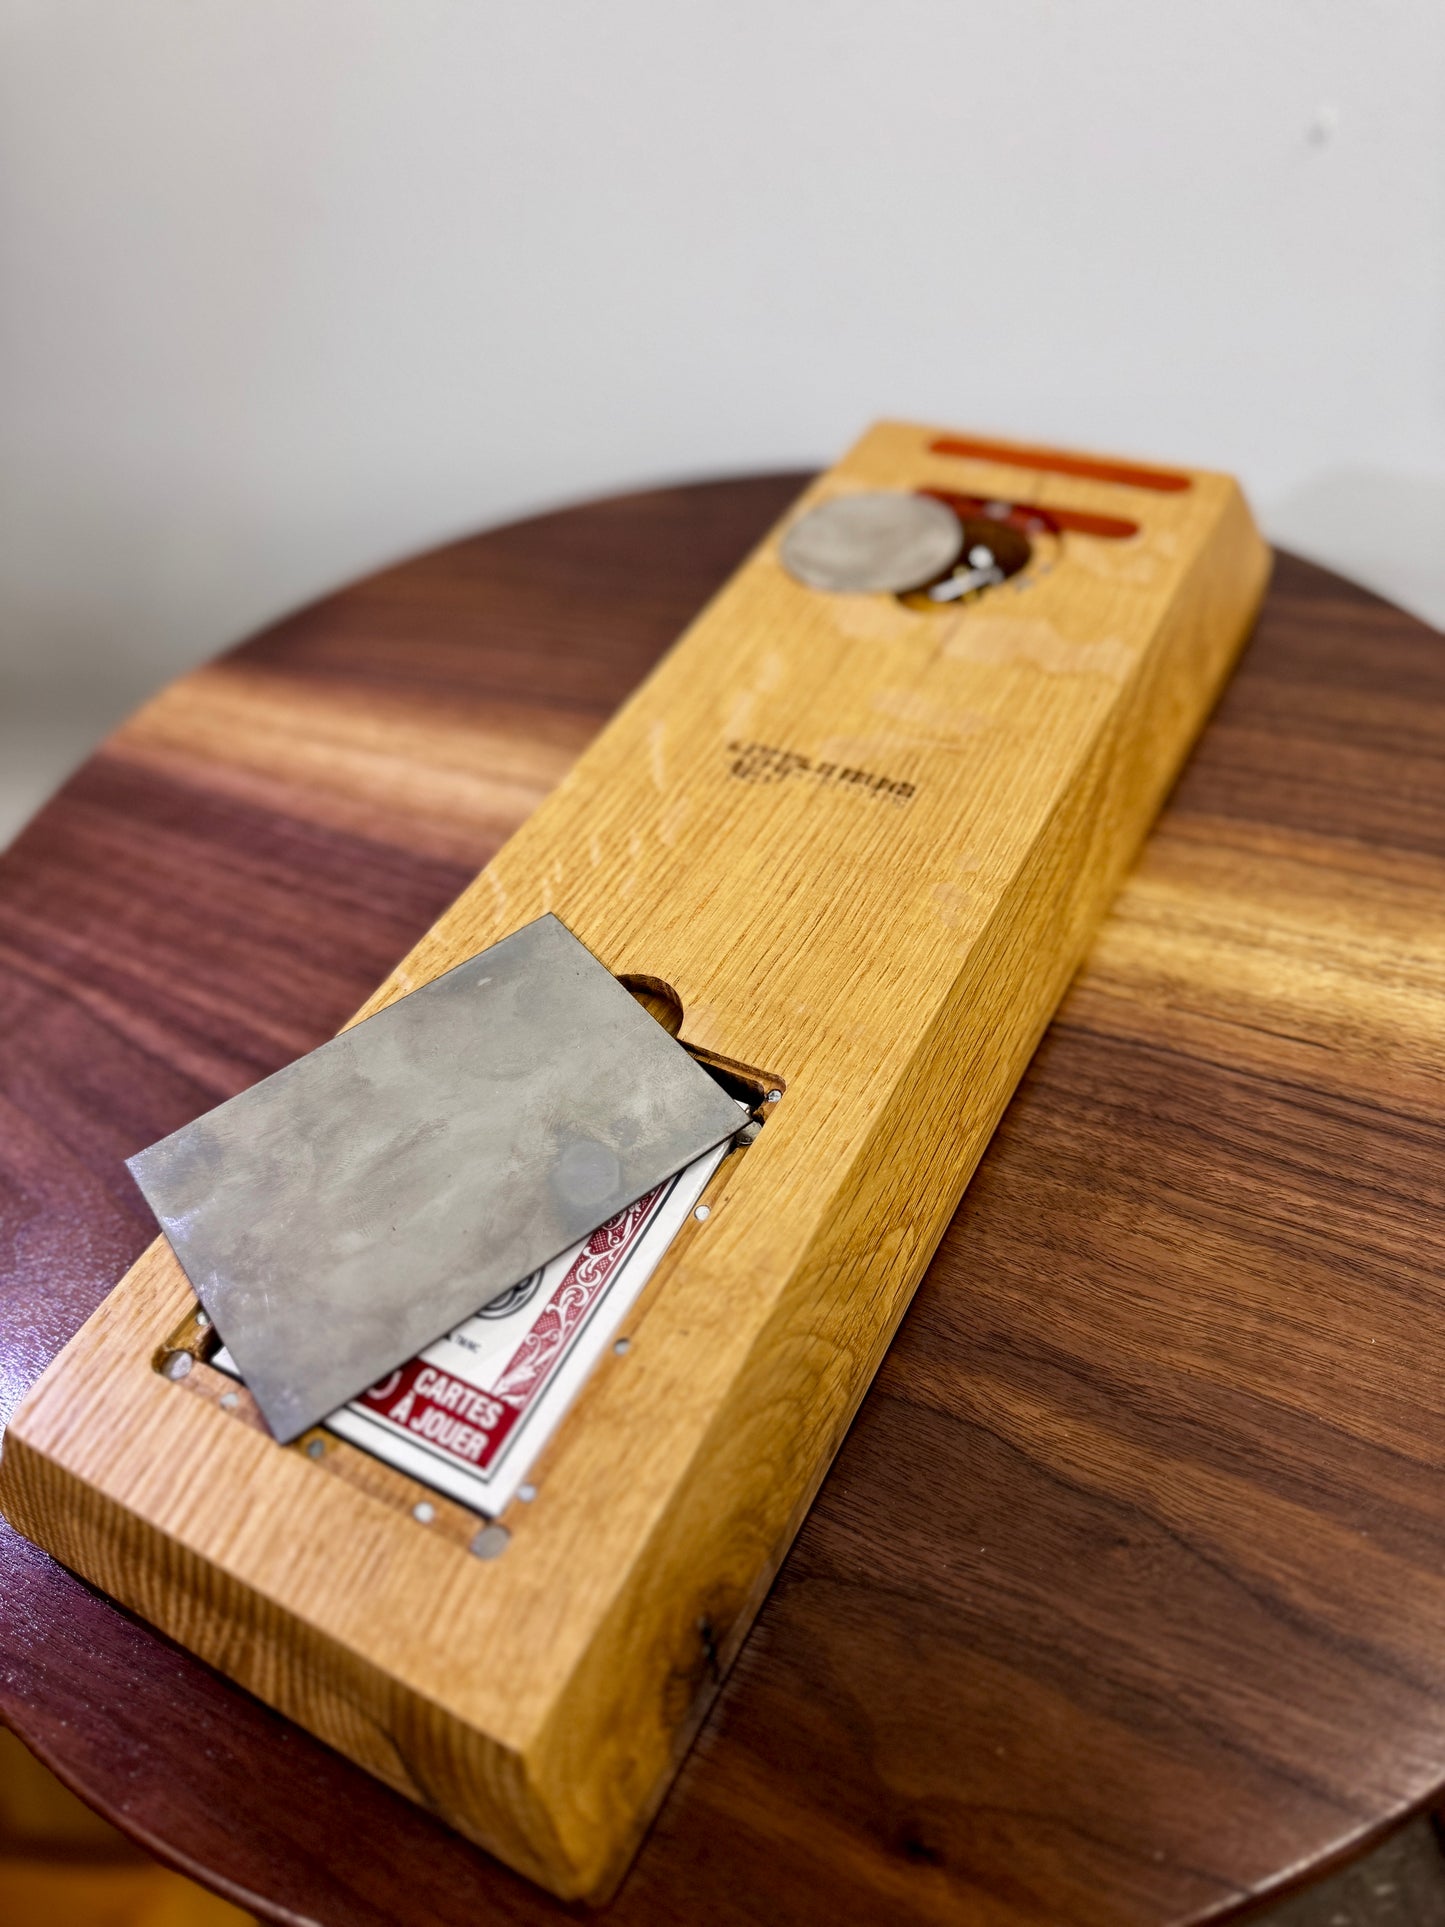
345	1212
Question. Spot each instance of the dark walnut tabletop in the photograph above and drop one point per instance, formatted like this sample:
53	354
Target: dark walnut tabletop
1124	1601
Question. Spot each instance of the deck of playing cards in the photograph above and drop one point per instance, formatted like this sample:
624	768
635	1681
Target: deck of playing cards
469	1415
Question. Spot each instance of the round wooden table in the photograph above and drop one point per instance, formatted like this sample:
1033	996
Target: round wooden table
1124	1601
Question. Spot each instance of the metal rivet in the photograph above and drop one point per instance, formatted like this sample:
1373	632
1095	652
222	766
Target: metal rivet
774	1096
177	1364
229	1401
203	1318
526	1493
703	1211
491	1542
622	1345
423	1512
316	1449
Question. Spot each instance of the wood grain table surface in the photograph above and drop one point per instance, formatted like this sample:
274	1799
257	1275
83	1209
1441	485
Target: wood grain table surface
1124	1601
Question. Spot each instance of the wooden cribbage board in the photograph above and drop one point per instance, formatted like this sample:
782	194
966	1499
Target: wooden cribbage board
864	846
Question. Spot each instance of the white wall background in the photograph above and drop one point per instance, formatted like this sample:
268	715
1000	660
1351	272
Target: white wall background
291	287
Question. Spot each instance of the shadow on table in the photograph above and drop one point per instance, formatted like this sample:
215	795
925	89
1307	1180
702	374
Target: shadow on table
62	1866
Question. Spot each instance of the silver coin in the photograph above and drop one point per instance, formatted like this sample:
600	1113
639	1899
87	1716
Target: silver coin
884	541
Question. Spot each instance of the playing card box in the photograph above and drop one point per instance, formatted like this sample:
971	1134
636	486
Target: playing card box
469	1415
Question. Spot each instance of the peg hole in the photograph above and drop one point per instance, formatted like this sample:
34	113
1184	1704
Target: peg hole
658	999
993	551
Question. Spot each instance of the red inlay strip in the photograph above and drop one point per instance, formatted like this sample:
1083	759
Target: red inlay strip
1033	515
1056	462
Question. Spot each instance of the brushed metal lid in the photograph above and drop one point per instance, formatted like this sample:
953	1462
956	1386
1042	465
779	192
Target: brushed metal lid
346	1211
